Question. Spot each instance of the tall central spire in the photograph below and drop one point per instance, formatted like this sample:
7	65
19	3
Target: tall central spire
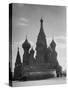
41	36
41	21
41	44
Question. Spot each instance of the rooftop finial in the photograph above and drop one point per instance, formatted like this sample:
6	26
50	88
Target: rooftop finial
41	22
18	48
41	19
26	37
53	37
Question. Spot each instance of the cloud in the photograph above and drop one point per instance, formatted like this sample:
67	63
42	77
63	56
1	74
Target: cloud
22	24
60	37
62	46
61	42
22	21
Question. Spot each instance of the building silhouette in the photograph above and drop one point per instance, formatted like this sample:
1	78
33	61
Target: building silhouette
43	65
18	65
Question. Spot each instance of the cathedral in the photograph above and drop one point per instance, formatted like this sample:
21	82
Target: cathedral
42	65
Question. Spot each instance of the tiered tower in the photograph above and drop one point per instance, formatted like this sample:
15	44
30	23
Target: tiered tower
54	60
53	53
26	46
18	59
41	45
18	66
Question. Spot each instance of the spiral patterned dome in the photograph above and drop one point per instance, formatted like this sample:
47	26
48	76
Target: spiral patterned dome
26	44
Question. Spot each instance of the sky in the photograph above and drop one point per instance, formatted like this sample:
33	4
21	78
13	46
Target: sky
26	21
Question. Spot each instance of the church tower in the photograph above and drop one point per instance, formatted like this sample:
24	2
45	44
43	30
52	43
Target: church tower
26	46
18	59
53	53
53	44
41	36
54	59
18	66
41	45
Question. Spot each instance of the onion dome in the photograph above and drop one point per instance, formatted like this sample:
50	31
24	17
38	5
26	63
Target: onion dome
26	45
53	44
49	49
32	51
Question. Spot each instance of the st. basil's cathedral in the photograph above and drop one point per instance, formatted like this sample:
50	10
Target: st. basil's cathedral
43	65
